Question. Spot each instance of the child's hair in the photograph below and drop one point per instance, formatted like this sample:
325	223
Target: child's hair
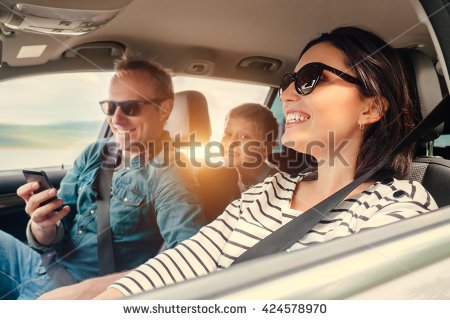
261	115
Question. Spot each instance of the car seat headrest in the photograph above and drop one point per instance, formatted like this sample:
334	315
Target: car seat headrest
422	72
189	116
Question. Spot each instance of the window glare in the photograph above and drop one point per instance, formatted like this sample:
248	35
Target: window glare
54	99
48	120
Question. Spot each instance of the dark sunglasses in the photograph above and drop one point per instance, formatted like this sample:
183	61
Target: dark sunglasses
307	78
131	108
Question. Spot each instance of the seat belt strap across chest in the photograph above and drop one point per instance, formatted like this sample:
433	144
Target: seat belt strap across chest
110	159
287	235
106	265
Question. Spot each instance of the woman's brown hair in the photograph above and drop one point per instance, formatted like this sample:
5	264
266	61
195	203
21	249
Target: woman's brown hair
380	69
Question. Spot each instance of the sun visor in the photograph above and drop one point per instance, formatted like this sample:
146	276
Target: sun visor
56	20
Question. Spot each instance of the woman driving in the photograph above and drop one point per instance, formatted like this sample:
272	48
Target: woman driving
347	104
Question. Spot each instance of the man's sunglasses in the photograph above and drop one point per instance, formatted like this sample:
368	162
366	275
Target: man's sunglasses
131	108
307	78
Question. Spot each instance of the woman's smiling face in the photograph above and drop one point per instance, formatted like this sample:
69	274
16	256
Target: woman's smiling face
333	106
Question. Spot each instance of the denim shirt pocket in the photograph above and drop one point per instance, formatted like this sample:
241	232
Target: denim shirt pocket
126	208
87	193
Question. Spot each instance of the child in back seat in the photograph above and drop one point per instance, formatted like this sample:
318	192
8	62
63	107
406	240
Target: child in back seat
250	134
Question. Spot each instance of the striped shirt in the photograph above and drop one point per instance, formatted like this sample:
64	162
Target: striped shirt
262	210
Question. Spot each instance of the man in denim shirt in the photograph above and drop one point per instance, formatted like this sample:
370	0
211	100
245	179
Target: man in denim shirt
152	199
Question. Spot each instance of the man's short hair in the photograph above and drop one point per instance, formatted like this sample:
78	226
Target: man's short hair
259	114
163	81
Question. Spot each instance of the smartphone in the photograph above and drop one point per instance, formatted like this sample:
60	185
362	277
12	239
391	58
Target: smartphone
44	183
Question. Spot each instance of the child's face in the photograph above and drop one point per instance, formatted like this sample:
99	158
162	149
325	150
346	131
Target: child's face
244	143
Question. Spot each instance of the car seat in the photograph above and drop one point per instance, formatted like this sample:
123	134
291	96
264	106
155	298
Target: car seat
218	186
189	116
432	172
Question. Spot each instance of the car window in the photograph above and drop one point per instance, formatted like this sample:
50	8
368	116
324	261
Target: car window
222	96
47	120
277	109
443	141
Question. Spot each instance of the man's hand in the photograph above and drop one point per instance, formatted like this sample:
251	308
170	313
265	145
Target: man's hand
87	289
43	219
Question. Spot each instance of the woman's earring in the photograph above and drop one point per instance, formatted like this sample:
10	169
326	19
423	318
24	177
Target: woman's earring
361	127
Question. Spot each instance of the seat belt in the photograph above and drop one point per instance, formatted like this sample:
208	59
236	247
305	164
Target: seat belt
59	275
287	235
110	159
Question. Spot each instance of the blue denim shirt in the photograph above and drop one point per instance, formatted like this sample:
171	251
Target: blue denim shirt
150	203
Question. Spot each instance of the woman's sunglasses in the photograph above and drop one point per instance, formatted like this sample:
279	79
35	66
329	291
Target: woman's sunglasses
307	78
131	108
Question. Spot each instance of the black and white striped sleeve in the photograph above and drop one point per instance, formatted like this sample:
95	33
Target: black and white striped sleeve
415	201
192	258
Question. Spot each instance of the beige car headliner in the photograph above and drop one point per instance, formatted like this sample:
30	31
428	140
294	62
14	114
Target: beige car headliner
177	32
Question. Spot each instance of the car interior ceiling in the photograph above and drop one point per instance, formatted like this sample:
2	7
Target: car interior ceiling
231	55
